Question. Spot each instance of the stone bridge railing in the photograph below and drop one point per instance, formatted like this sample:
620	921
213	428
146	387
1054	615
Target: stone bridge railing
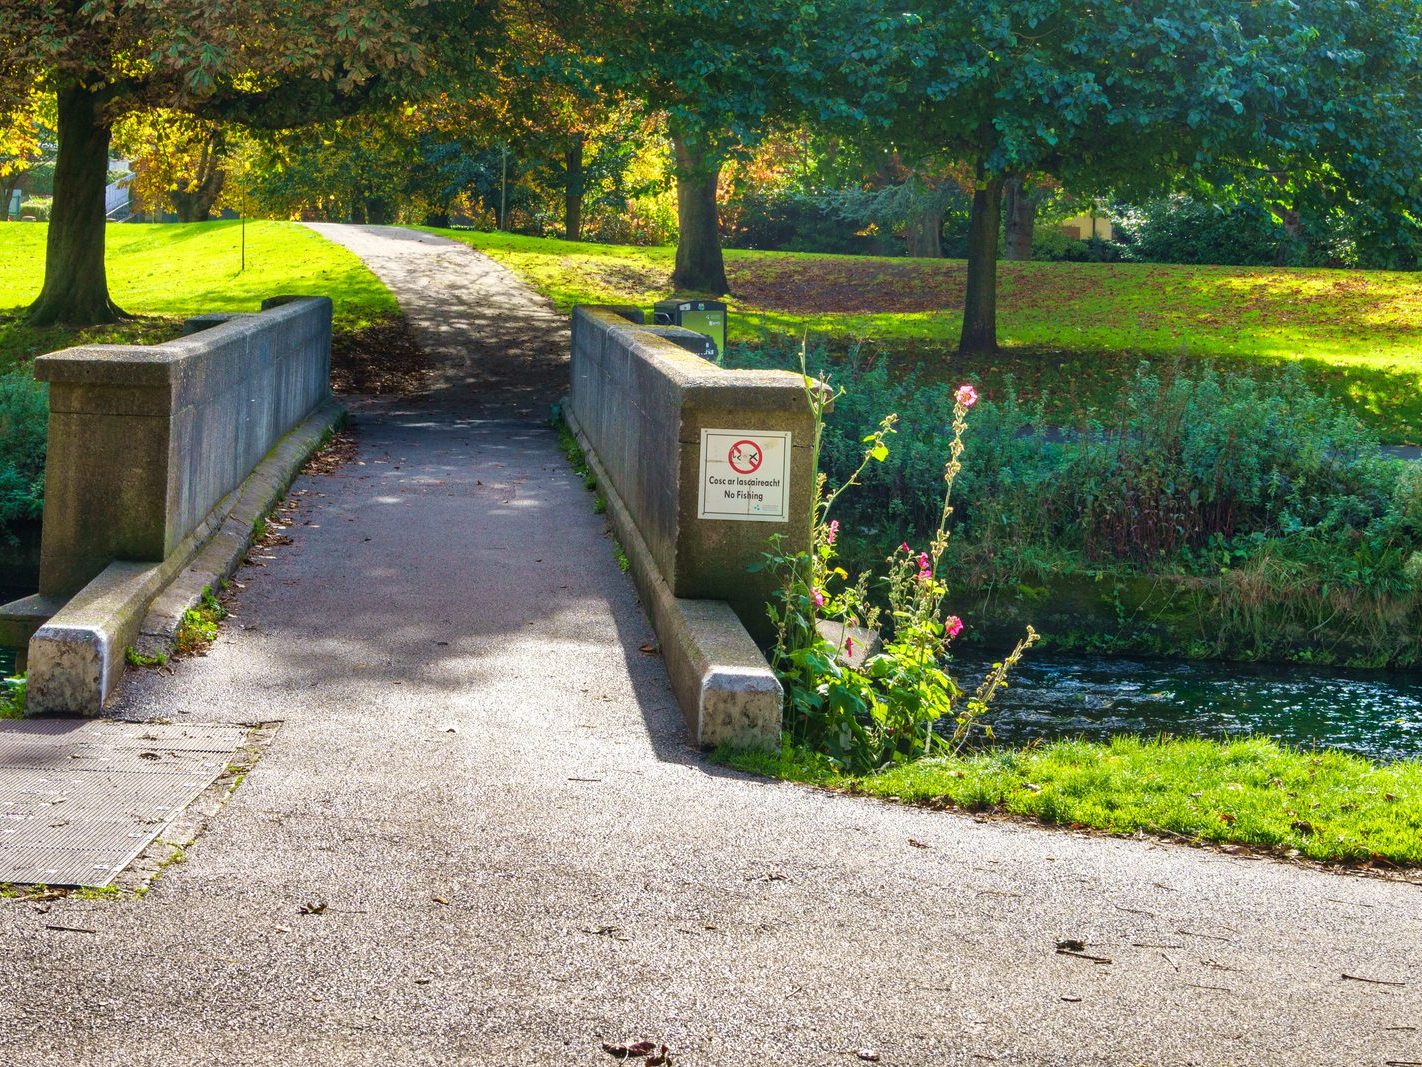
152	453
700	466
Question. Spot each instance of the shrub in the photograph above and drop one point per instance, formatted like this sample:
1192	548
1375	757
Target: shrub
1178	229
1194	472
37	207
794	222
24	420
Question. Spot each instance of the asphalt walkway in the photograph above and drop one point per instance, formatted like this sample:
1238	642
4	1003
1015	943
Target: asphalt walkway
480	838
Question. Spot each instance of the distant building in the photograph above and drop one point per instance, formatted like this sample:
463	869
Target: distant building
1087	225
118	200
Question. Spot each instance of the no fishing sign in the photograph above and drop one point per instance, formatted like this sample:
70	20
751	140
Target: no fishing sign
745	475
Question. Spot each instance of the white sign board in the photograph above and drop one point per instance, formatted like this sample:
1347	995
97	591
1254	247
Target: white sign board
745	475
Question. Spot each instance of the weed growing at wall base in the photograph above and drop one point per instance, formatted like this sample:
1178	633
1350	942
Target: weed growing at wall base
198	630
12	697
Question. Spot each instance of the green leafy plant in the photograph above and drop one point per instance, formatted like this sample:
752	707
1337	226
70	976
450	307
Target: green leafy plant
12	697
865	712
134	658
198	629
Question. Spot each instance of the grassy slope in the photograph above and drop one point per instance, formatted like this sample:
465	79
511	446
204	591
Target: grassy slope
166	272
1071	330
1324	805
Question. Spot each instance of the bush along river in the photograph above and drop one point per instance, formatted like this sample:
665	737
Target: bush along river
1375	714
19	577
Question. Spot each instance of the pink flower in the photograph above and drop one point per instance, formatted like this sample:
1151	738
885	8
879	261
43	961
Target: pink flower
849	646
953	626
966	395
819	598
833	532
904	547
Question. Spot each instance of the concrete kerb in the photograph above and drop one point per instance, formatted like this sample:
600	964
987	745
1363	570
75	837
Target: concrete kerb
727	692
77	658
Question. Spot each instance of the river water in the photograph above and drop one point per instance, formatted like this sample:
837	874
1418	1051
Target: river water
1372	713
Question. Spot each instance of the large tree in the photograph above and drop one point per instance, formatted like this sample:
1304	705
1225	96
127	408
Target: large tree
265	63
722	74
1142	95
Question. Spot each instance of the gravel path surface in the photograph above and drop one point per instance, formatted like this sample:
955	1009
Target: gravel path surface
485	782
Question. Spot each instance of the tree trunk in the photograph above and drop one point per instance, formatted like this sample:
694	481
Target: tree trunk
195	200
979	334
574	190
925	228
76	288
1020	212
700	266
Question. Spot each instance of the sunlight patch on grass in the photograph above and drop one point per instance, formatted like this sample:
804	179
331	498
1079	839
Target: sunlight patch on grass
1358	334
166	272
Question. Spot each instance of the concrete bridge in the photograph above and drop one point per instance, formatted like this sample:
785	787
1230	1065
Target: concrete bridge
480	830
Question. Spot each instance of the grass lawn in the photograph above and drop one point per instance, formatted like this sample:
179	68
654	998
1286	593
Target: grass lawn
165	272
1326	806
1071	331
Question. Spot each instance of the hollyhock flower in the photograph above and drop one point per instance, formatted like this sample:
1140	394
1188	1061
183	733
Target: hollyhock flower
833	532
966	395
905	547
819	598
953	626
849	646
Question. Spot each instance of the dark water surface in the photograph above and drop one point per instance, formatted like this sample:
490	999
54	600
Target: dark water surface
1377	714
7	655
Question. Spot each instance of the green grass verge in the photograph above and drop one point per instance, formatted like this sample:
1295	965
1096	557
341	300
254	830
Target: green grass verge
1327	806
1070	331
166	272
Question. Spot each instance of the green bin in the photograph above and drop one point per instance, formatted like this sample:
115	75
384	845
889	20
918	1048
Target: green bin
702	316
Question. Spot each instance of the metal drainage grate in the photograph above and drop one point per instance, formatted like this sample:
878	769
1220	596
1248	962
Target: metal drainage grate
80	798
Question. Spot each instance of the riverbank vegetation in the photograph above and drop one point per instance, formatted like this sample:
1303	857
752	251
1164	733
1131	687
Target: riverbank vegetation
1326	806
1205	514
871	701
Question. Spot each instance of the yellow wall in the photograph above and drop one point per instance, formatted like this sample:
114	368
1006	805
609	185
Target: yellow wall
1083	227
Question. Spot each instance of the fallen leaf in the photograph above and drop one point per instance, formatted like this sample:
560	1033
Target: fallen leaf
638	1049
918	844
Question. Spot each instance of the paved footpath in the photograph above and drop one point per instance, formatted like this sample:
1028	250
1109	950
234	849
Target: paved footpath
486	781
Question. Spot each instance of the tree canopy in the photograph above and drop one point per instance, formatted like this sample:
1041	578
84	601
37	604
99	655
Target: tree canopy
264	63
1138	97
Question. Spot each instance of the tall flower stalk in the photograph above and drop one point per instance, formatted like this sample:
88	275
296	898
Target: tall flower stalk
865	712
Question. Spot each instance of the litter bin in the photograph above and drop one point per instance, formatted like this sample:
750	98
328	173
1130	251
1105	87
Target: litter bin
702	316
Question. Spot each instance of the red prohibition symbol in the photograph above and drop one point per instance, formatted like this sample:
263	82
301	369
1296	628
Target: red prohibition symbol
745	457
